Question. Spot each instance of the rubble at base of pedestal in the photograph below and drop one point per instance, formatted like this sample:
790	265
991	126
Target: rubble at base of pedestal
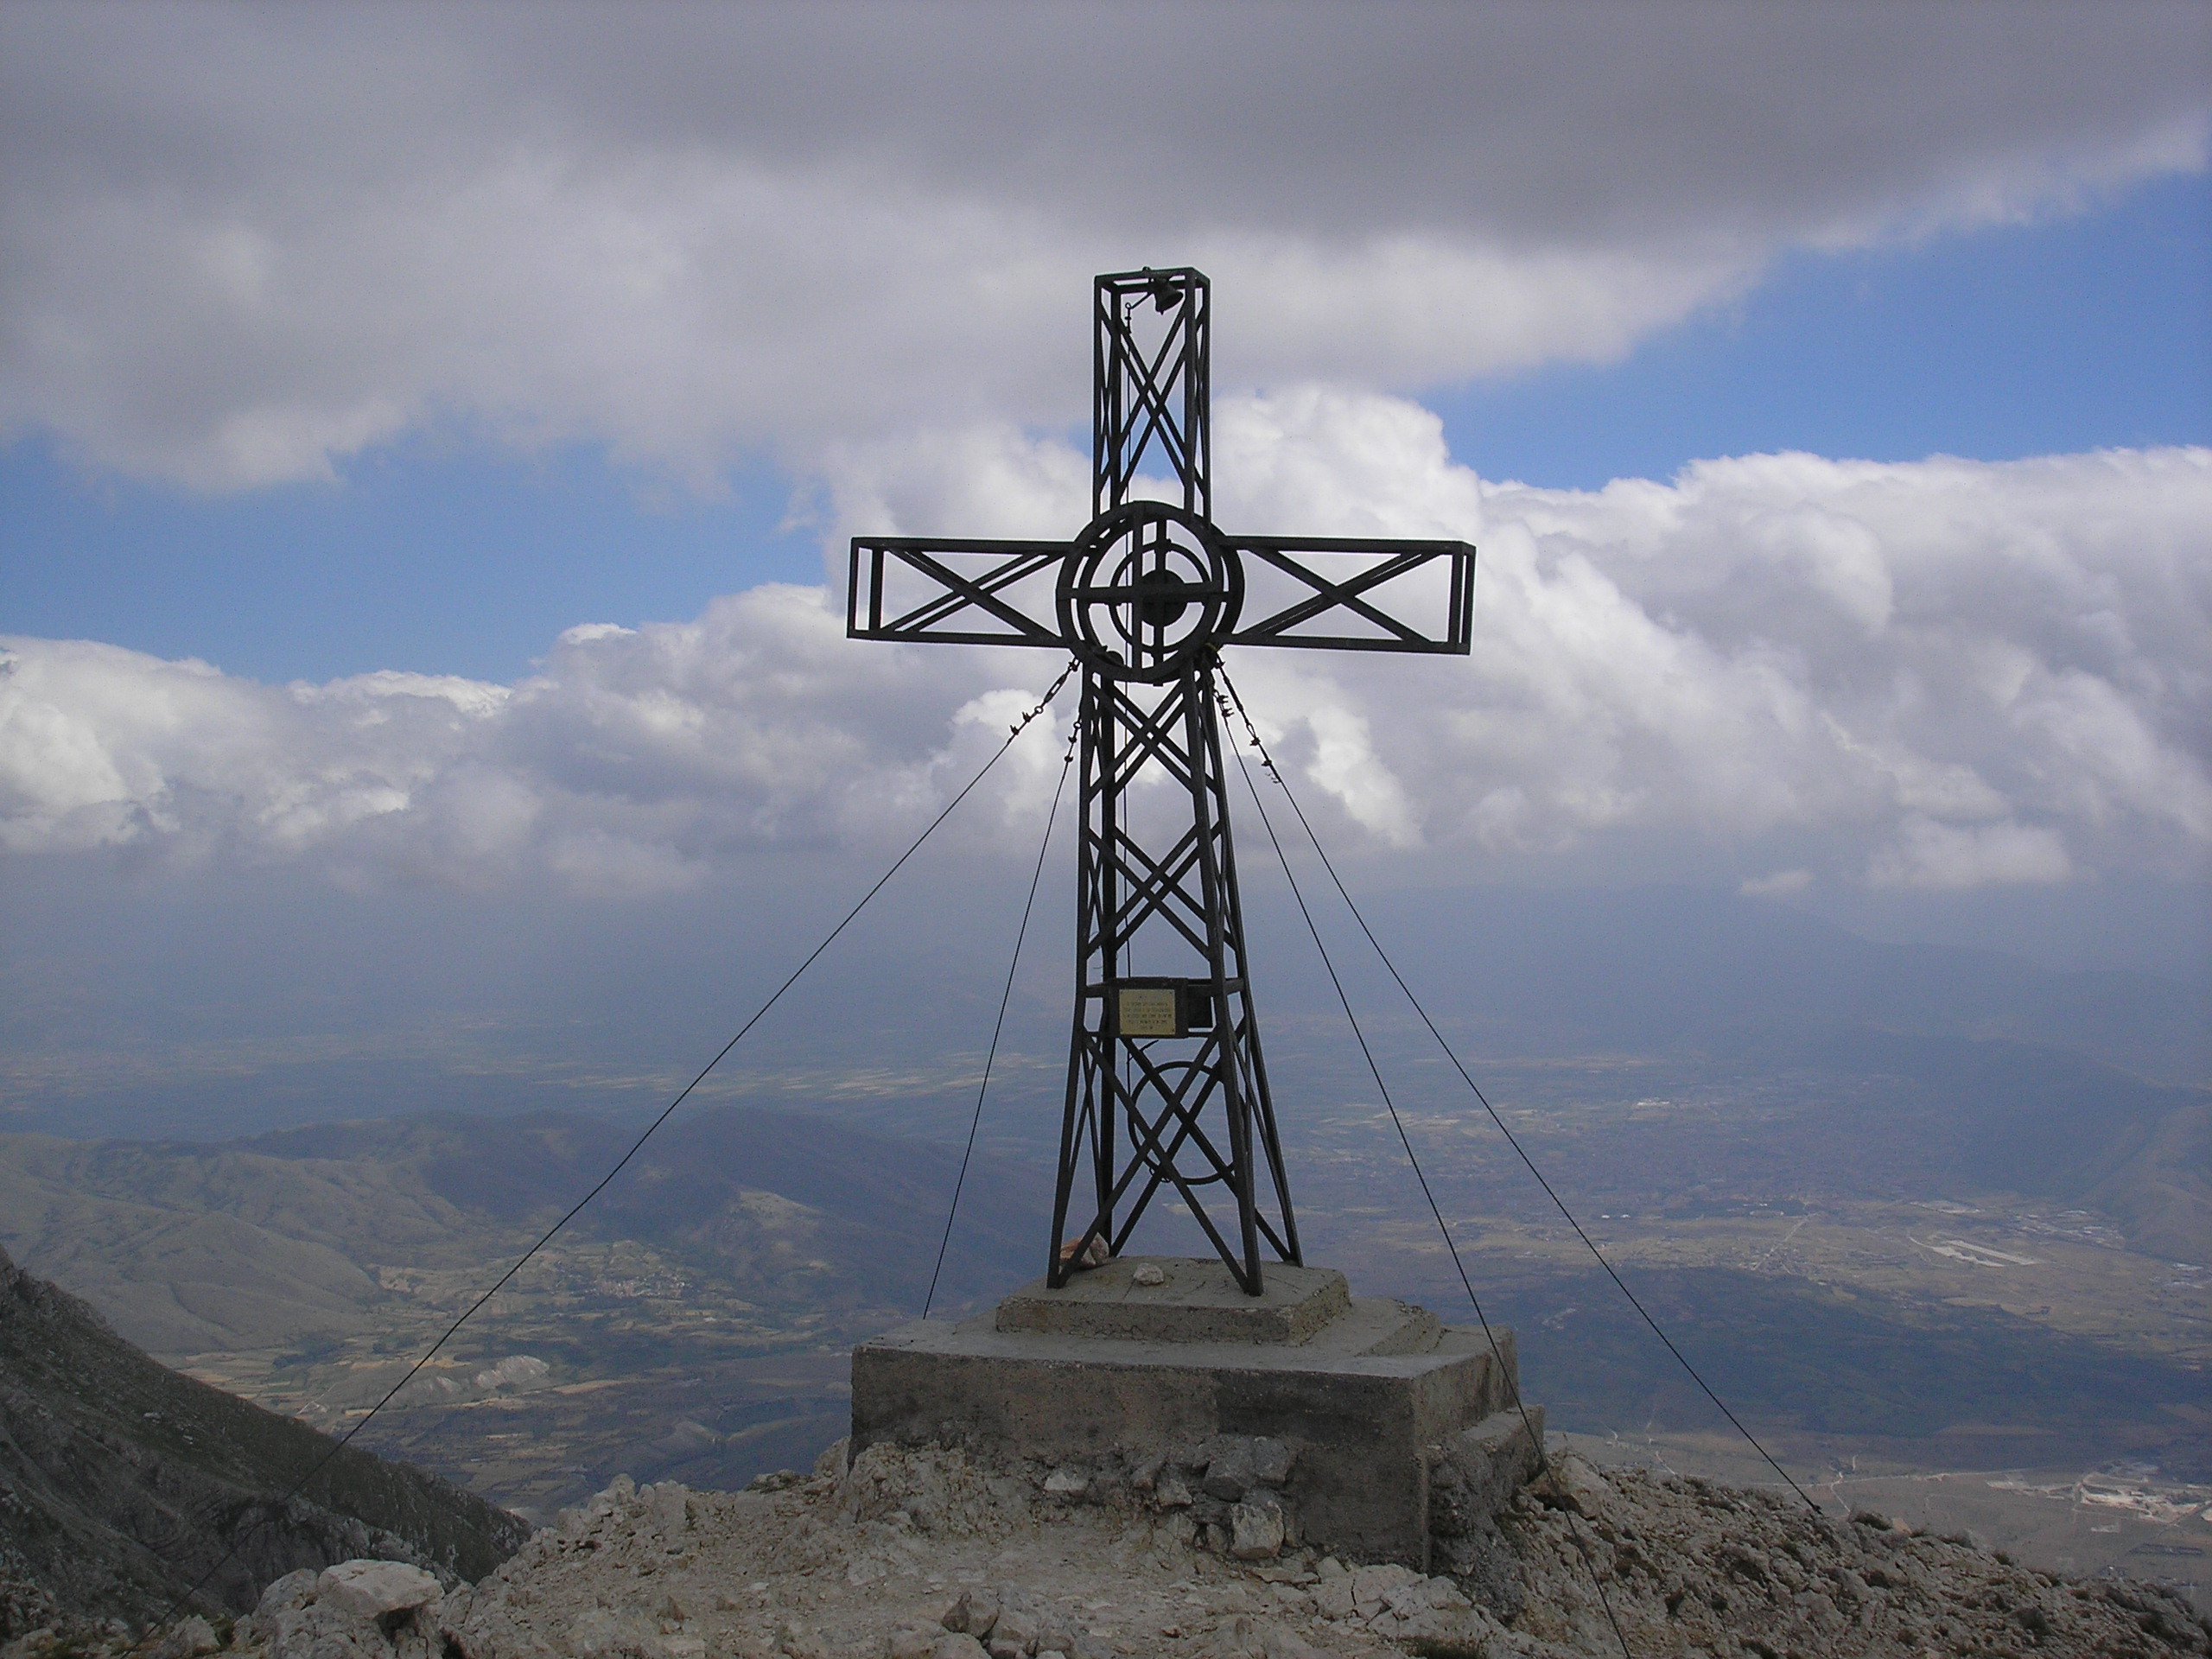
931	1554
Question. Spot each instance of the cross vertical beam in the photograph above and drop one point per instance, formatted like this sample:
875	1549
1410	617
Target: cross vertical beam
1166	1085
1177	1098
1147	393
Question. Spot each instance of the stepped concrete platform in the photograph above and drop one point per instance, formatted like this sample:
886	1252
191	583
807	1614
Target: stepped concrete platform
1367	1395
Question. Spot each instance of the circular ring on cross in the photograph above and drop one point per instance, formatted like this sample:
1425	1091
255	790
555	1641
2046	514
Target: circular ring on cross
1172	1117
1148	590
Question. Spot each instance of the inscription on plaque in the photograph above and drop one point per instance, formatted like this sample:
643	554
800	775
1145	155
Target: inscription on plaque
1149	1011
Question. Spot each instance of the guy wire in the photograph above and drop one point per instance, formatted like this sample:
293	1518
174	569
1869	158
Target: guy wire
300	1485
999	1025
1543	1458
1267	761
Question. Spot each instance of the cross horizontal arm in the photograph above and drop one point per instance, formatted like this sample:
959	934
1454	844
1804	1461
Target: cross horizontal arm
953	591
1343	579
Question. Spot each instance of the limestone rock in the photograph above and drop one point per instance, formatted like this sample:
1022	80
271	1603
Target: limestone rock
1449	1629
362	1608
1370	1585
1483	1564
840	1571
973	1614
371	1590
1271	1461
191	1638
602	1633
293	1590
1256	1532
1013	1637
1572	1484
1230	1473
321	1630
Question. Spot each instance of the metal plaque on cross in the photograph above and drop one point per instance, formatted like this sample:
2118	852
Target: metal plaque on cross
1167	1086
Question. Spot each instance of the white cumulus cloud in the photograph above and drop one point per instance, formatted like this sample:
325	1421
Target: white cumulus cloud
1938	675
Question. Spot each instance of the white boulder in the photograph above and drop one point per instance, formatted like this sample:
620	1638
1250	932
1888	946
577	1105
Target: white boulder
373	1589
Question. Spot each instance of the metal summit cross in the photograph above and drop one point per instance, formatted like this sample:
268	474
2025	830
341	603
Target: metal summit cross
1166	1082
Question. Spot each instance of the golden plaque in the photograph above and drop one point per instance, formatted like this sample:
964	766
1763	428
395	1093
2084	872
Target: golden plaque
1148	1011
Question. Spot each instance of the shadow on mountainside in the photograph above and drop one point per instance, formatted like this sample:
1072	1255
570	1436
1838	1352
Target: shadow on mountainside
122	1483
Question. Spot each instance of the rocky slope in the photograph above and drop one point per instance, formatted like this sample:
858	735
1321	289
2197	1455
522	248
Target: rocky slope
928	1556
123	1482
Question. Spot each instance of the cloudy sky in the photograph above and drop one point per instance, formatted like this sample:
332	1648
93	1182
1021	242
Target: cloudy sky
425	428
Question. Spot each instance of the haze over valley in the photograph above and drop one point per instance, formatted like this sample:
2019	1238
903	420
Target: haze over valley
1928	1266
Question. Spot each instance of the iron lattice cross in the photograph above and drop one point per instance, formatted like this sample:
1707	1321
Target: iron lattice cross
1167	1086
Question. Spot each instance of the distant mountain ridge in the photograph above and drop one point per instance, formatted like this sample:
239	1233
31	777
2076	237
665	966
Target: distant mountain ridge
122	1482
1655	968
2005	1116
194	1247
273	1239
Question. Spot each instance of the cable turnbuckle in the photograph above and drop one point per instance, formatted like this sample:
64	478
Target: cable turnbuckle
1021	725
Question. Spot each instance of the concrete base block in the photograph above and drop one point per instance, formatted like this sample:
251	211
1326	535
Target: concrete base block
1473	1476
1175	1299
1362	1401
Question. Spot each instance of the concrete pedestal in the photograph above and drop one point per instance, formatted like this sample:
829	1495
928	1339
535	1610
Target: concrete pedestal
1364	1394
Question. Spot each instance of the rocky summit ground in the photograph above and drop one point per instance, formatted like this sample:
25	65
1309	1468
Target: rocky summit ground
929	1556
